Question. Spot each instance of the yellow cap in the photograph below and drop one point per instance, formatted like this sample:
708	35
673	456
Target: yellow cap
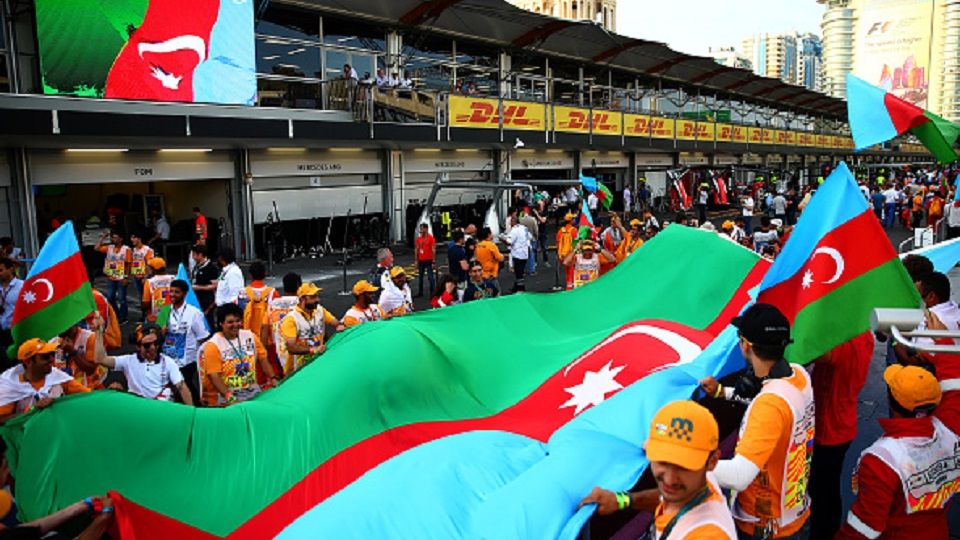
635	223
569	216
308	289
683	433
157	263
397	271
35	346
727	225
363	286
912	386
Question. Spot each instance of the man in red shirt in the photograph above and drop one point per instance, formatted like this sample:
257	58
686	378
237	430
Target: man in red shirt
838	377
425	248
199	227
904	480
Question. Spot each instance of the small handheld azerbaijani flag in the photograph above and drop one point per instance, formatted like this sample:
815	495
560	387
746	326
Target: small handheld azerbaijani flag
191	299
877	116
56	293
592	185
585	219
837	267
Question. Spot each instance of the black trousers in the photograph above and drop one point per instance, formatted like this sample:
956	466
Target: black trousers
519	266
191	377
826	504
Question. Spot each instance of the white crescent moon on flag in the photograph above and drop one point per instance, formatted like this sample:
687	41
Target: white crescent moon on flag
49	289
837	259
686	349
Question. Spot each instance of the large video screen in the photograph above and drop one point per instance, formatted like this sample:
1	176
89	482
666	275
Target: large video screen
158	50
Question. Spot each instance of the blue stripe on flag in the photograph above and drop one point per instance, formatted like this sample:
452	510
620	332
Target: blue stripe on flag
944	255
59	246
836	201
867	113
191	297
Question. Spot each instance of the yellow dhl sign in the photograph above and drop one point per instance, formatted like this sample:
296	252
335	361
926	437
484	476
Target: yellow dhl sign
754	135
575	120
689	130
483	113
791	138
641	125
740	134
724	132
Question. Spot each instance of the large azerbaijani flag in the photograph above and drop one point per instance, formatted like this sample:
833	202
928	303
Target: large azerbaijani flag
404	429
876	116
837	266
56	293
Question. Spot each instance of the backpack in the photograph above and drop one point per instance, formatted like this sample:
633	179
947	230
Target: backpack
255	312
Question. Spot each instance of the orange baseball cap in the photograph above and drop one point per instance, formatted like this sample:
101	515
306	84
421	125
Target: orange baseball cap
363	286
397	271
157	263
35	346
913	387
683	433
308	289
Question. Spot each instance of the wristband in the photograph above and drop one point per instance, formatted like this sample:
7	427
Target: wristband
623	500
230	398
89	503
718	392
107	510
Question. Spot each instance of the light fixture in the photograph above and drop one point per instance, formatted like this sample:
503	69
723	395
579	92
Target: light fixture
96	150
185	150
286	149
427	149
346	149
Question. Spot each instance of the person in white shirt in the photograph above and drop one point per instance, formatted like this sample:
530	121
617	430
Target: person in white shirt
747	203
230	282
890	198
952	213
570	197
934	288
592	202
381	78
396	298
519	241
149	373
627	200
780	207
185	328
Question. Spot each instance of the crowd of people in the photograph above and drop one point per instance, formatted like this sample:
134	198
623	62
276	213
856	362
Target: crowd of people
243	337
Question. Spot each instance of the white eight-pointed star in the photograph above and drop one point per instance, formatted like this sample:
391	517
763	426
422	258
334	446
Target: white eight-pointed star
594	388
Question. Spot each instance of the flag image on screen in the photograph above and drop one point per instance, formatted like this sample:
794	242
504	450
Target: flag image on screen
155	50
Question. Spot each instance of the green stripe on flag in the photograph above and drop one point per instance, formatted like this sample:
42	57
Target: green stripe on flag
52	320
938	135
372	378
845	313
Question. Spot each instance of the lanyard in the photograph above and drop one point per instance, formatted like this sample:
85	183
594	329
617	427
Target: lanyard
176	317
238	349
3	296
691	504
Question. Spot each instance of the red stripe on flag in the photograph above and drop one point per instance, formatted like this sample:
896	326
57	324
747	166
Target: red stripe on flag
842	255
905	115
49	286
740	298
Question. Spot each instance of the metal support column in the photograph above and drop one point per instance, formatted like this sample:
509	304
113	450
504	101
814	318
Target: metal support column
394	202
23	194
246	206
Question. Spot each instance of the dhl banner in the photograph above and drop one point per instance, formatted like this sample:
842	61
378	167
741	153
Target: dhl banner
805	139
575	120
768	136
754	135
724	132
740	134
791	138
781	137
689	130
821	141
482	113
641	125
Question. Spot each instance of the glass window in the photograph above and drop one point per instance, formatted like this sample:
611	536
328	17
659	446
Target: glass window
4	76
353	34
278	56
427	47
481	56
429	75
289	93
289	22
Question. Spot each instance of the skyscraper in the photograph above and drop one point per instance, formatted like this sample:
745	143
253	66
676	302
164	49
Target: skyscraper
600	11
837	30
773	55
810	62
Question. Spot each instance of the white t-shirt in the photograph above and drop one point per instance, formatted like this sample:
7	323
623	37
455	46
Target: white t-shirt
571	195
748	206
592	201
185	328
949	314
890	196
703	197
163	228
761	238
627	197
519	240
779	205
148	379
229	285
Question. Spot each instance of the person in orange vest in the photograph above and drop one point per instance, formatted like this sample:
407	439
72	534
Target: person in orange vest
304	328
279	307
566	237
631	241
229	361
585	261
76	354
365	309
156	290
34	382
116	267
256	299
140	253
683	449
771	466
